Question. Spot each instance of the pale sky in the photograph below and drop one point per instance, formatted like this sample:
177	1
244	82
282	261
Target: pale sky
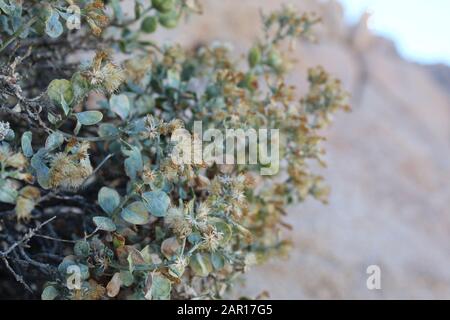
420	28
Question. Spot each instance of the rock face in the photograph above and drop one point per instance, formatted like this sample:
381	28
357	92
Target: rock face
389	165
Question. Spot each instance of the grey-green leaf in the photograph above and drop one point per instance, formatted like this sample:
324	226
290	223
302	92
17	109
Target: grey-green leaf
108	199
161	287
42	170
135	213
27	149
133	164
157	202
107	130
55	140
89	118
82	248
120	105
201	264
7	192
60	92
53	26
104	223
49	293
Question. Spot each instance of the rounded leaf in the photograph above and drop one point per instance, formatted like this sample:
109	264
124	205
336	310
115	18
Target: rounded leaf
120	105
113	287
60	92
27	149
107	130
89	118
81	248
55	140
157	202
49	293
161	288
254	56
170	247
163	5
201	264
217	260
53	27
126	277
169	20
104	223
108	199
135	213
149	24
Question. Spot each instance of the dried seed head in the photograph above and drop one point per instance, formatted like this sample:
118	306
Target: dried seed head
69	171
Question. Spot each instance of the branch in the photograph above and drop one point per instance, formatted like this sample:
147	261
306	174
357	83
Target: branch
18	244
30	234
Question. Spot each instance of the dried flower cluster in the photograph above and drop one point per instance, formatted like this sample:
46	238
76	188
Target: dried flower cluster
130	222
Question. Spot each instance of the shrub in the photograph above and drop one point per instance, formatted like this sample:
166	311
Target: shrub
93	204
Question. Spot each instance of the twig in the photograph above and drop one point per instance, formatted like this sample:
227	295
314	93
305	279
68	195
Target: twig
64	240
31	233
109	156
18	278
46	268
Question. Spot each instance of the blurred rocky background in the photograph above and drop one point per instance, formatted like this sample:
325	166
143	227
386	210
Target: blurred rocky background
389	163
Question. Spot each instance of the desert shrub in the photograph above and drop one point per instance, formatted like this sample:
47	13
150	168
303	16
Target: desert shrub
89	188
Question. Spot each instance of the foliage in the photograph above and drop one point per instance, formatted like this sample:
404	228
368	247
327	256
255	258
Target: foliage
133	222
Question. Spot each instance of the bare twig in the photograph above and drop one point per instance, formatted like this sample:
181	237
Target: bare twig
18	278
31	233
18	244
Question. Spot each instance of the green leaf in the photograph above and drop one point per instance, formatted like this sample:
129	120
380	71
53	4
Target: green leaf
60	92
135	213
108	199
120	105
89	118
104	223
53	27
149	24
27	149
161	288
163	5
49	293
169	20
254	57
55	140
157	202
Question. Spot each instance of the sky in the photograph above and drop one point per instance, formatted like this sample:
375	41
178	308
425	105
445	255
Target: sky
420	28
